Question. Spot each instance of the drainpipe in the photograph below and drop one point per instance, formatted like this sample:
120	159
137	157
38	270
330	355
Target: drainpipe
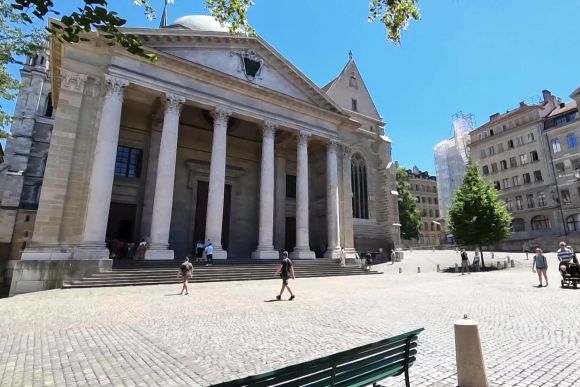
557	188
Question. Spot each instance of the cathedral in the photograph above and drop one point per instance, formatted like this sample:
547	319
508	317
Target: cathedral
220	139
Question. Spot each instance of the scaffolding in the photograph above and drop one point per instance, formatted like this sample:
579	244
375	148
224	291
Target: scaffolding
451	160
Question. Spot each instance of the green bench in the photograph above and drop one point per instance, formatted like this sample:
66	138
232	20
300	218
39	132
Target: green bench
355	367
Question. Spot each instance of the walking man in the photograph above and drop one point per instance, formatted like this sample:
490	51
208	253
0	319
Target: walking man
209	253
464	262
285	269
185	271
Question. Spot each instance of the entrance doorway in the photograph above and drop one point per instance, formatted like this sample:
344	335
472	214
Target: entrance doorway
120	228
290	240
201	213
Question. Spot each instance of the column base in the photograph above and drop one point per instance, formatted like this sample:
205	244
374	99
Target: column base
302	253
91	250
265	254
159	254
219	254
334	253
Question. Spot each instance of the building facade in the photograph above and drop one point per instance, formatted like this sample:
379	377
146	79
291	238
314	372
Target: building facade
220	139
424	188
511	151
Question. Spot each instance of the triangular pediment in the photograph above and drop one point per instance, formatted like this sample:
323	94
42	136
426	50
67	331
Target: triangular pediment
349	86
248	59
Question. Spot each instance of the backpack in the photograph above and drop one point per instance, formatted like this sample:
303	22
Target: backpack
184	269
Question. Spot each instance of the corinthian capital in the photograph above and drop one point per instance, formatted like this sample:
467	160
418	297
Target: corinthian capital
221	115
72	81
115	87
269	129
303	137
332	145
173	103
346	151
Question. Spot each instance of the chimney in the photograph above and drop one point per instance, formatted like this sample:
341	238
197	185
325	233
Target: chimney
493	116
547	95
522	104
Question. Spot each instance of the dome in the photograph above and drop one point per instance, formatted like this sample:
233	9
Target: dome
199	23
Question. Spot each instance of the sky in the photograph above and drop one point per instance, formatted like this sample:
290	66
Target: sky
478	57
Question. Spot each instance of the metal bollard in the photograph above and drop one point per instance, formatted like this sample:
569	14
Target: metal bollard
400	270
418	269
508	259
438	268
469	355
456	268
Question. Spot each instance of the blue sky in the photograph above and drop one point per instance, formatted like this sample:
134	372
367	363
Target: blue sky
480	57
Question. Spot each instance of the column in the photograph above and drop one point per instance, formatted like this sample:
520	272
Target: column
217	180
102	175
163	199
302	249
348	232
332	209
265	248
280	206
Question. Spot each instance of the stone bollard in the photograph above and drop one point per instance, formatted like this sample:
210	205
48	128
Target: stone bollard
418	269
492	255
456	268
400	270
438	268
469	355
505	264
498	264
508	259
513	263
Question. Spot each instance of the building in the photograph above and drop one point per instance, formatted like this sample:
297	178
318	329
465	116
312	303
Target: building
510	151
220	139
451	160
424	187
562	129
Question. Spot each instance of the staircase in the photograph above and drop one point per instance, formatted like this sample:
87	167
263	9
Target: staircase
137	273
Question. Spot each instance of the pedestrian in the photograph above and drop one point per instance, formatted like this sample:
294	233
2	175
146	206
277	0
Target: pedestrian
199	249
565	256
285	270
393	257
141	249
476	261
526	248
185	270
464	262
209	253
540	265
342	257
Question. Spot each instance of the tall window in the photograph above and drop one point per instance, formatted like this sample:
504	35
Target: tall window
482	154
560	170
503	165
513	162
510	144
49	107
527	178
573	222
352	82
571	137
516	180
505	183
541	199
494	167
360	203
530	200
541	222
534	156
524	159
520	140
290	186
510	205
556	147
491	150
485	170
531	137
354	105
538	176
519	205
128	162
500	147
565	194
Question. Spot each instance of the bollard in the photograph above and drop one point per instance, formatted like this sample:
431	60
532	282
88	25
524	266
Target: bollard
438	268
418	269
468	354
508	259
492	255
400	270
505	264
513	263
456	268
498	264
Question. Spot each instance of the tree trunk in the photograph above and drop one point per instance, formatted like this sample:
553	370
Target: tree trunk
481	253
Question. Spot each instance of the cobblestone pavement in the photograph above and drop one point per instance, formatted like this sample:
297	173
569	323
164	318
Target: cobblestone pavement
151	336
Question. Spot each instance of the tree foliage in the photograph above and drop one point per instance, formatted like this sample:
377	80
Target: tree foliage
478	216
409	215
19	37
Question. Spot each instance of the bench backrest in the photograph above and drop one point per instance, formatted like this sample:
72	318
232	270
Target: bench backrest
359	366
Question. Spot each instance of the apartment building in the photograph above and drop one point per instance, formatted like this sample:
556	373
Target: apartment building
511	151
562	131
424	187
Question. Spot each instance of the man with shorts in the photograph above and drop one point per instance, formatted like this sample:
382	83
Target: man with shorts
185	271
565	256
209	253
464	262
285	269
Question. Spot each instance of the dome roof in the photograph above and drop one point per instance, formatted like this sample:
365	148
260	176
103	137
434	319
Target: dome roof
199	23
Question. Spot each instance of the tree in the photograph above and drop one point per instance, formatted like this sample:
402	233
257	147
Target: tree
95	15
478	216
409	215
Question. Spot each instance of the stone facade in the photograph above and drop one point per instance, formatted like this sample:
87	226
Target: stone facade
220	139
424	188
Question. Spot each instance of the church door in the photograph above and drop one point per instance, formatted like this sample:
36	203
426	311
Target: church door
201	213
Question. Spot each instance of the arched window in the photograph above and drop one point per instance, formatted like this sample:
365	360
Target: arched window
573	222
360	203
49	108
541	222
352	82
518	225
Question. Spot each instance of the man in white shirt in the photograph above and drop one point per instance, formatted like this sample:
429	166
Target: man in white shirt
565	256
209	253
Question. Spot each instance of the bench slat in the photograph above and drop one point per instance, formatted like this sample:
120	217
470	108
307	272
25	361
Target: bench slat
373	377
369	368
